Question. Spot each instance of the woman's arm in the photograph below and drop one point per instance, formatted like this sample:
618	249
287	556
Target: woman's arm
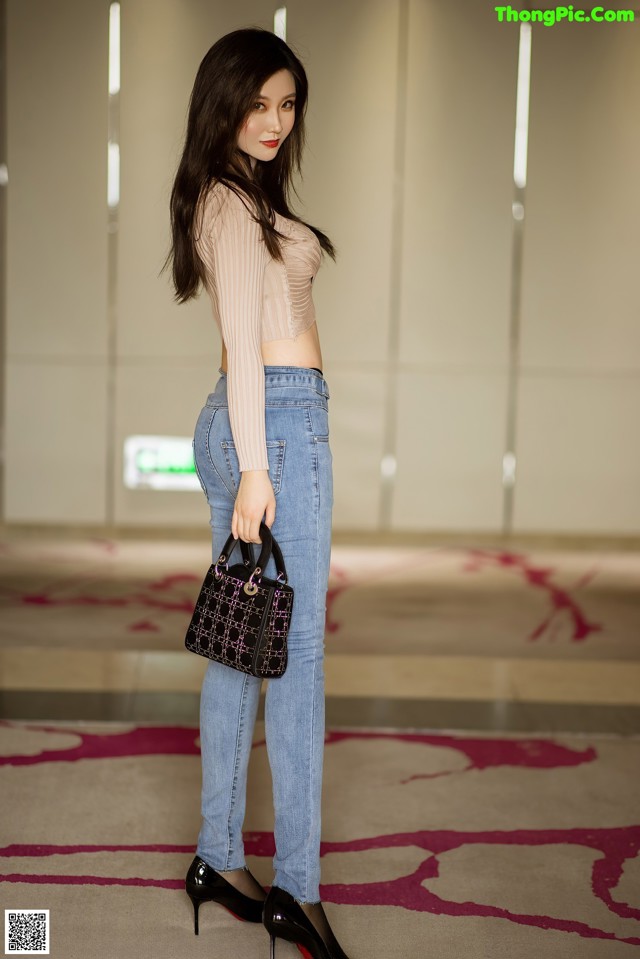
237	256
239	261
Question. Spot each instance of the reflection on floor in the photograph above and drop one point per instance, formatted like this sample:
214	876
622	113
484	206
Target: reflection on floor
443	636
482	760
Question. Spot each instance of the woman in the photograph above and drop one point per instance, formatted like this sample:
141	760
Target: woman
261	448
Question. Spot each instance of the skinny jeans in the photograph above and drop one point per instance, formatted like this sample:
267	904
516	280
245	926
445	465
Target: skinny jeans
301	472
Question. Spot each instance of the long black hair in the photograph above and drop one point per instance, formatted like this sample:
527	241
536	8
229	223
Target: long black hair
227	83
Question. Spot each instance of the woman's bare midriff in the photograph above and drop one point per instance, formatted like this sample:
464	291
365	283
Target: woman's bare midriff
303	351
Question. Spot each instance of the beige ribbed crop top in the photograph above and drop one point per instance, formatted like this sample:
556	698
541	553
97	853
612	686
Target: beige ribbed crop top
254	299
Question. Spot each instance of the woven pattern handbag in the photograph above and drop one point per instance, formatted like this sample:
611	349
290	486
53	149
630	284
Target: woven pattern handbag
241	617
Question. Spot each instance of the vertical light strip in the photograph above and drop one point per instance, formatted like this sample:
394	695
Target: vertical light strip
280	23
388	463
114	48
517	240
113	203
113	174
522	107
113	156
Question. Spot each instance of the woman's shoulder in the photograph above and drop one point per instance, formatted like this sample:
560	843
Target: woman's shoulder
219	198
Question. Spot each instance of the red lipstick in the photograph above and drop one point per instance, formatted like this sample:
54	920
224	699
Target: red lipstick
270	143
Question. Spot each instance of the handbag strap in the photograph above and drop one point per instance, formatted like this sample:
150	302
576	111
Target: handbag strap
269	544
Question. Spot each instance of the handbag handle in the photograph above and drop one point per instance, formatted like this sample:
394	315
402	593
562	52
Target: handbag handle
269	544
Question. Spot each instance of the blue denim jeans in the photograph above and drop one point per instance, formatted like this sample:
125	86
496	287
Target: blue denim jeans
301	472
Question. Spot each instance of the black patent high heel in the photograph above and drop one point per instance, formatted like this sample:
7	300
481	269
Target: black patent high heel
204	884
285	918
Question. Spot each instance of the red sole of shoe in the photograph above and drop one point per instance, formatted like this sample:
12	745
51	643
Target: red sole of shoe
305	952
239	918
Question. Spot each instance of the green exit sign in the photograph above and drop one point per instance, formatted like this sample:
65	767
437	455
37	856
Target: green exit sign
159	463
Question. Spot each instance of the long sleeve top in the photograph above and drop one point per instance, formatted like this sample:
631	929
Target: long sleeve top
254	298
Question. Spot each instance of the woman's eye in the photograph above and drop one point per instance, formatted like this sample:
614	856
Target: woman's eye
291	103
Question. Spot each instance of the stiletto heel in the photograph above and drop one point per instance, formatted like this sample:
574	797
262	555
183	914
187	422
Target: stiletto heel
196	906
284	917
204	884
272	946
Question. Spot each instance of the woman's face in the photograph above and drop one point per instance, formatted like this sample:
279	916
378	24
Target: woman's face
270	119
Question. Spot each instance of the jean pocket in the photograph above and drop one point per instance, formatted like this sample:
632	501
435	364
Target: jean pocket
195	463
319	417
200	447
275	457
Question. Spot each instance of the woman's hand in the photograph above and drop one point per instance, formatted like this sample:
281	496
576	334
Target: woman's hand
255	496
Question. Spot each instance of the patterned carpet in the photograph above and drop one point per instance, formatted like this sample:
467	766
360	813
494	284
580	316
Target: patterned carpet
444	845
449	841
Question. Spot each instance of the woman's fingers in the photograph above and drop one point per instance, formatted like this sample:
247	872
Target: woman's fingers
271	513
245	527
254	531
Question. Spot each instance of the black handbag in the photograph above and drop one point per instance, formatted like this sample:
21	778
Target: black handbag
241	617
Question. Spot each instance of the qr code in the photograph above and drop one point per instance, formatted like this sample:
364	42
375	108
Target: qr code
26	932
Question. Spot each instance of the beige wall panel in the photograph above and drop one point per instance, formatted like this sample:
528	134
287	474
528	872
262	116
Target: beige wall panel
162	399
450	446
581	248
56	456
456	244
356	413
578	468
350	54
57	160
163	43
